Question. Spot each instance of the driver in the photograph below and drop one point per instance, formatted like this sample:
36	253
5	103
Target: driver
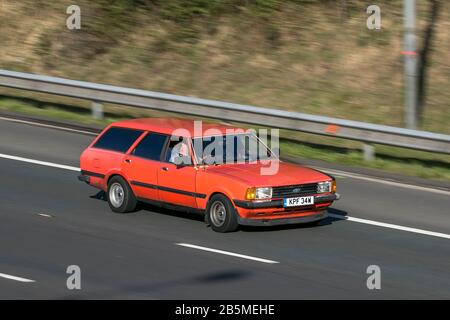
179	154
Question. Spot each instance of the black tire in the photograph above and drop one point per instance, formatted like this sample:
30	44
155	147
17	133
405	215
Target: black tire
128	200
229	219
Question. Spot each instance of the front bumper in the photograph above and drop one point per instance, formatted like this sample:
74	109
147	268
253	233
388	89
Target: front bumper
282	221
279	203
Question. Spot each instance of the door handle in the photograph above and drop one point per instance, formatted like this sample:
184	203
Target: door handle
165	169
128	160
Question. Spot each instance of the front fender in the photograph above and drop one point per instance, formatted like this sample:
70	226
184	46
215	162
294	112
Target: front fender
211	184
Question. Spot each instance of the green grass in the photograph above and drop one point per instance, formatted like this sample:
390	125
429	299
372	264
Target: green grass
51	111
390	159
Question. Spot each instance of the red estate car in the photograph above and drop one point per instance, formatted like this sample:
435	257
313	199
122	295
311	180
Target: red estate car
165	162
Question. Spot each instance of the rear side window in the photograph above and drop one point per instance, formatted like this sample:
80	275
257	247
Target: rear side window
117	139
151	146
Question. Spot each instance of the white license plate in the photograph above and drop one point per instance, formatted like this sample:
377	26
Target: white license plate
298	201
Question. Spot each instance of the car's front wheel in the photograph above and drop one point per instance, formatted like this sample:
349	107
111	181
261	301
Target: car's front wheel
221	215
120	196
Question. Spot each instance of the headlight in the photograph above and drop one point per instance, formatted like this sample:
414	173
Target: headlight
324	187
263	193
258	193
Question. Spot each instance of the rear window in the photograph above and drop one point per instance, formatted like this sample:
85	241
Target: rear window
117	139
151	146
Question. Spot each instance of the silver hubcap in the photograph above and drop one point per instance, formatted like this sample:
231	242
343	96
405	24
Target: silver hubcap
116	195
218	214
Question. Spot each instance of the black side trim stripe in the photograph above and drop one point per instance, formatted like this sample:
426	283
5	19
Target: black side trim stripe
92	174
187	193
142	184
183	192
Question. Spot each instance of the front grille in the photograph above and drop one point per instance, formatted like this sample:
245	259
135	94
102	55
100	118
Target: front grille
290	191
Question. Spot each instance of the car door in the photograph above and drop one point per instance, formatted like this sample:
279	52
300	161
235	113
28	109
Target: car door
176	183
142	164
106	153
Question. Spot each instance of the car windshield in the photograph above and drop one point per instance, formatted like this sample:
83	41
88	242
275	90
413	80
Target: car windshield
230	148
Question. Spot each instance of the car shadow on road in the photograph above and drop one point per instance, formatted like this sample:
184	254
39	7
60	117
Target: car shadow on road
147	207
185	214
156	289
336	216
101	195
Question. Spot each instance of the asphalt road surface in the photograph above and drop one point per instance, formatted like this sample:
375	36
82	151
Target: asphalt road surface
49	221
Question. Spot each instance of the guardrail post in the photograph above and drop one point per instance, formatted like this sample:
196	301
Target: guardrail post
97	110
368	152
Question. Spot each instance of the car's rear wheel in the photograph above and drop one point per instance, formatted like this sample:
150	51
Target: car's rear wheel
120	196
221	214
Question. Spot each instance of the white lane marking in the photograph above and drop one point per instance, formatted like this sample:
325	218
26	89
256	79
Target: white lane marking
42	163
371	222
48	126
44	215
243	256
388	182
10	277
391	226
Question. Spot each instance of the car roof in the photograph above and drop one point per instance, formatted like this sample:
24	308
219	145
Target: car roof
170	125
